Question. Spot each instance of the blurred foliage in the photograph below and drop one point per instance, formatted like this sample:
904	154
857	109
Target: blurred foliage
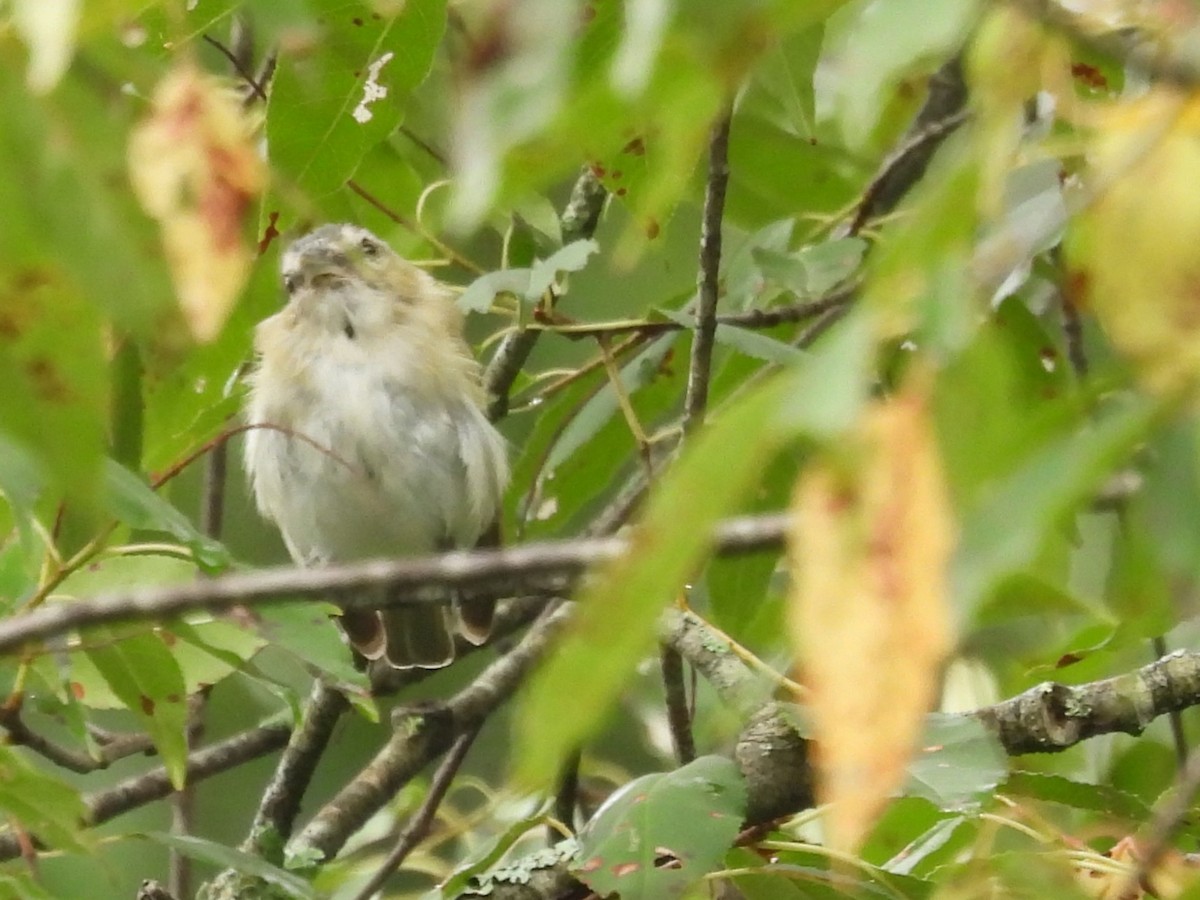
1038	285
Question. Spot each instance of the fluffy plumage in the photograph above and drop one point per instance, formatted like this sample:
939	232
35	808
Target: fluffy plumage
377	445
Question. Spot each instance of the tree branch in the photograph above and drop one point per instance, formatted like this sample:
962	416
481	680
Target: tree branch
578	220
774	761
696	401
1052	717
941	114
547	567
156	784
418	825
19	734
280	802
421	735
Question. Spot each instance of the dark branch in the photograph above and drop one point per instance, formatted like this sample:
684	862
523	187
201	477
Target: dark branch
773	757
549	567
679	717
281	800
421	735
418	826
578	220
19	734
939	117
696	401
156	784
1053	717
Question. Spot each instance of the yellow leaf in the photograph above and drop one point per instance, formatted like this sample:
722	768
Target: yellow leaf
870	546
1135	260
194	167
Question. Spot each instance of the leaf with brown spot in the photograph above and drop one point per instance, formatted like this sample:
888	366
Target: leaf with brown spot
141	671
195	168
655	836
870	547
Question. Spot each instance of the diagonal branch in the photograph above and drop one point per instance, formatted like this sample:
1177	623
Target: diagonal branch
418	826
280	802
420	736
579	220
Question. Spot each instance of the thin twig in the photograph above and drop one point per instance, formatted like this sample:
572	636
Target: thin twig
1072	325
549	567
19	734
239	67
679	717
418	826
696	401
625	404
1169	814
443	248
1175	716
566	796
183	803
749	319
939	117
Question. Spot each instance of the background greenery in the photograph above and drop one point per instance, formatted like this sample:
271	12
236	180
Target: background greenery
1037	286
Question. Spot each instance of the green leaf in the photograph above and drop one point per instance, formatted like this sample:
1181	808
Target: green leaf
1005	370
483	290
813	270
660	833
231	858
328	108
22	886
1101	798
209	651
77	197
308	631
1007	527
469	871
936	839
763	184
571	258
960	762
134	503
143	674
40	803
615	625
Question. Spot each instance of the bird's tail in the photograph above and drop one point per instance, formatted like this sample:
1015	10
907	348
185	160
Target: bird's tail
419	636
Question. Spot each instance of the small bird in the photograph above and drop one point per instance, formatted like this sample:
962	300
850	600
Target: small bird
371	437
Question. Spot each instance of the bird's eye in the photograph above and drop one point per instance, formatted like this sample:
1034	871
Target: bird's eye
369	247
290	283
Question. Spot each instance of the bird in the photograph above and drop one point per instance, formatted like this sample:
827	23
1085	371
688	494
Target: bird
366	435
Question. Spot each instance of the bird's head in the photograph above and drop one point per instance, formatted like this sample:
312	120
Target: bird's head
344	277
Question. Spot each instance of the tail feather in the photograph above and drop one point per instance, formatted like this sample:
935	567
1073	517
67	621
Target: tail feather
419	637
475	619
364	629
